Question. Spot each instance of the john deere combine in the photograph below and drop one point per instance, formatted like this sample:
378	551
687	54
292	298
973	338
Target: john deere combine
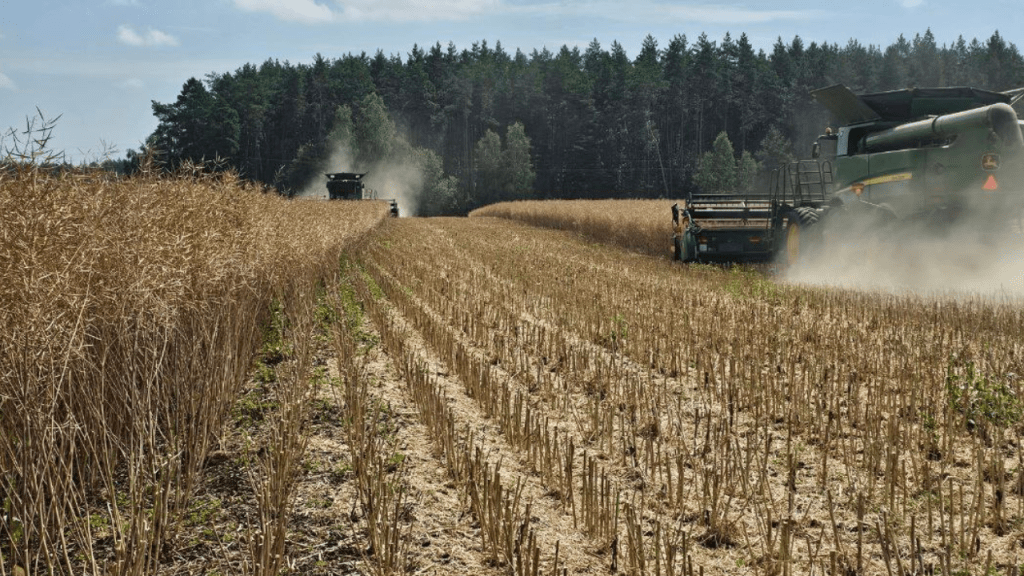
933	156
349	186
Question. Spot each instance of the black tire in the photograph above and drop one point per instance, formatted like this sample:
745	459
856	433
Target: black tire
802	235
806	215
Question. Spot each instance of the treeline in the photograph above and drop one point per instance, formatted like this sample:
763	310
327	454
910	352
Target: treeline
595	122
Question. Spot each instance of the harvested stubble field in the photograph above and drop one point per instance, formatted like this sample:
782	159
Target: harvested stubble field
656	419
482	396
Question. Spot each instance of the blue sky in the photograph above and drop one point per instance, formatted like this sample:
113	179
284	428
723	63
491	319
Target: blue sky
99	63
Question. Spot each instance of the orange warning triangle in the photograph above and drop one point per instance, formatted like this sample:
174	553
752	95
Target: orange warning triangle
991	183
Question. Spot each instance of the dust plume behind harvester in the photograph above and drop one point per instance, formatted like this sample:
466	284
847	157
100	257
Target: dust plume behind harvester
918	188
349	186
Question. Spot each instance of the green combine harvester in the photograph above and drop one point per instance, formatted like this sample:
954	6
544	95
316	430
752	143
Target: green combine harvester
349	186
933	157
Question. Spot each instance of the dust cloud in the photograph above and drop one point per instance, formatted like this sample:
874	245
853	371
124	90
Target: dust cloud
400	180
339	159
976	256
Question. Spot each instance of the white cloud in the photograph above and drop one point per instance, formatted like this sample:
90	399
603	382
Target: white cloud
6	82
663	12
726	15
356	11
133	83
127	35
416	10
347	11
302	11
911	3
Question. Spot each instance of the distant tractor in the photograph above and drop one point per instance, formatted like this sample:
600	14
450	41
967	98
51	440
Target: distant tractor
929	157
349	186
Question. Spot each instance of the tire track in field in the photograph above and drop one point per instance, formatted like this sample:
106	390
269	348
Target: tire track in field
627	476
329	523
556	532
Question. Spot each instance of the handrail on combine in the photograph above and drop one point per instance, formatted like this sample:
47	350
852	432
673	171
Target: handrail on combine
801	182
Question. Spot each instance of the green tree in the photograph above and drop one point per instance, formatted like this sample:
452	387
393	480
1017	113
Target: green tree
716	171
1002	64
504	173
925	66
342	130
311	158
518	168
776	150
441	194
706	80
197	127
489	181
601	123
374	131
746	172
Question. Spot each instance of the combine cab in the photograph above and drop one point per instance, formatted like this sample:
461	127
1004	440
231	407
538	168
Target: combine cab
930	157
349	186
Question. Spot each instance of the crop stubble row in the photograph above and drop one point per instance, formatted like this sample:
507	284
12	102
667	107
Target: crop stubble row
736	393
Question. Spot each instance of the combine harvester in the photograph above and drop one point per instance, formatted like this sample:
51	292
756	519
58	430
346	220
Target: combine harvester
349	186
930	157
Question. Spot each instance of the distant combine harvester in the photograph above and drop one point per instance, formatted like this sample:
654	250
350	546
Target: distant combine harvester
349	186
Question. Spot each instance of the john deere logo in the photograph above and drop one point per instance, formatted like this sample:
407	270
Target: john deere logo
990	162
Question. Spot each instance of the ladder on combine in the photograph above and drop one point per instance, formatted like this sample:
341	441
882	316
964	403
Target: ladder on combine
749	227
802	183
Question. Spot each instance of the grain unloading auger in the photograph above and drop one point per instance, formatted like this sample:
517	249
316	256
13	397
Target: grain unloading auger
928	157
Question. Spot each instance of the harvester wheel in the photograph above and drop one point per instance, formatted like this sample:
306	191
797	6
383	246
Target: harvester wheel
807	215
793	233
802	233
685	251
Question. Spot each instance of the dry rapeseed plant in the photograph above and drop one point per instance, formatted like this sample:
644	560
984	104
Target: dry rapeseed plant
131	312
640	225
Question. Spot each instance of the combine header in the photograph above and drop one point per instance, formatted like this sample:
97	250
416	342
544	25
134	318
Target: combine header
931	156
747	228
349	186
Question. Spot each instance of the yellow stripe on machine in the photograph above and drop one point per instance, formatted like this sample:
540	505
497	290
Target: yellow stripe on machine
889	178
